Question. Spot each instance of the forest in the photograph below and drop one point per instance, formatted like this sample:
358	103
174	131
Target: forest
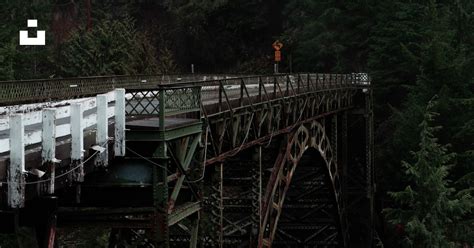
420	55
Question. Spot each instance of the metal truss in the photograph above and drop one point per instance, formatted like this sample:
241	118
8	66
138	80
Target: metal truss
311	135
223	155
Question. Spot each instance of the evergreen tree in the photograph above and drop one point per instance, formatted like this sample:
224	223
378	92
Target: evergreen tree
23	62
329	36
444	70
430	209
112	47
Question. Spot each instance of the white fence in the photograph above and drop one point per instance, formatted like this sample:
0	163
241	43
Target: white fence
45	124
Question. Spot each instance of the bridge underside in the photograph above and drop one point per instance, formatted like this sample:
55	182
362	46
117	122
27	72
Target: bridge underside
279	162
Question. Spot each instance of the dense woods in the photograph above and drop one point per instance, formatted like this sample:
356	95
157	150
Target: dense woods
420	55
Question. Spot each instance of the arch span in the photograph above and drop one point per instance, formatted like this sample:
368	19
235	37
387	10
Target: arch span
311	135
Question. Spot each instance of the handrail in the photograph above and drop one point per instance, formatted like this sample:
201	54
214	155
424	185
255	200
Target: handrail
35	91
43	90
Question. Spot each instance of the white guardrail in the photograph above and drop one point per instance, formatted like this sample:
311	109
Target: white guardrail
43	124
63	116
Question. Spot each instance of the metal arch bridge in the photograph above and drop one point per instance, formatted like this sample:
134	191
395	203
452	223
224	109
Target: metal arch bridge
281	160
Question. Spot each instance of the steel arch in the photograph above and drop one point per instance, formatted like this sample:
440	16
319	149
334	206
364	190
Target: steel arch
311	135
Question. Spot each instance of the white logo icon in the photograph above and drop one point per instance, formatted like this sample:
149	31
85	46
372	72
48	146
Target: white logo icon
39	40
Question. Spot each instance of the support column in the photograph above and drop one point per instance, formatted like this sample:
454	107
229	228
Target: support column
256	195
195	231
217	208
369	146
160	183
160	202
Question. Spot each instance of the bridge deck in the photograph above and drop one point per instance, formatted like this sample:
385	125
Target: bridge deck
152	123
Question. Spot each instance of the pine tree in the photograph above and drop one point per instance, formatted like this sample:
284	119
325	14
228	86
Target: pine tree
23	62
112	47
431	210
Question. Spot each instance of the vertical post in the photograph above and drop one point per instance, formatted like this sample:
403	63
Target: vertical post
221	88
160	203
48	139
274	87
195	232
16	177
119	143
102	136
217	206
369	139
162	103
256	195
192	68
318	81
221	206
241	99
298	85
275	68
308	79
160	182
77	142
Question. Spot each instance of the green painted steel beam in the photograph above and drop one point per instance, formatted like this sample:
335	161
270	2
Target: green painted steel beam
167	135
183	211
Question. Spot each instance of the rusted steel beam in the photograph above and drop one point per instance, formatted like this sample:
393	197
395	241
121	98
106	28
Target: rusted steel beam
183	211
221	157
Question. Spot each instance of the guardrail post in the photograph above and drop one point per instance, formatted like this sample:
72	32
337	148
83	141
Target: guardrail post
274	87
162	109
298	84
119	141
321	78
101	136
307	81
48	144
16	170
221	88
242	85
77	142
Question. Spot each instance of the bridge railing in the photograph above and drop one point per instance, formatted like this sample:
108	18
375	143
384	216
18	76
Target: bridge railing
247	90
29	91
34	91
50	127
176	100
